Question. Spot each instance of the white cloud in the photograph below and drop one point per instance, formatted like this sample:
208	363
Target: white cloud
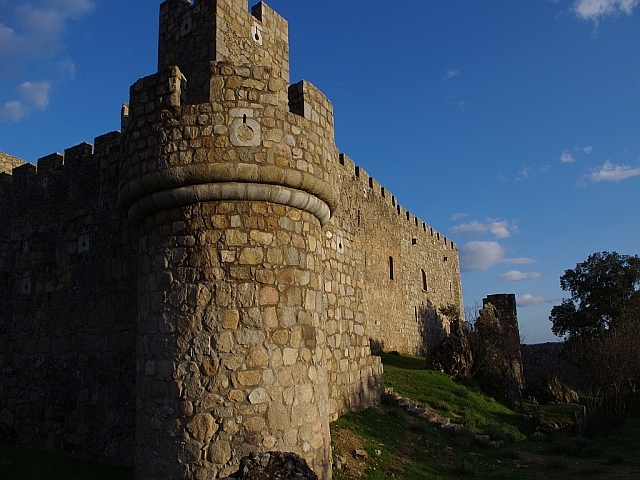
588	149
528	300
566	157
13	110
613	173
451	73
498	228
478	255
596	10
530	172
517	276
36	93
33	95
458	216
30	32
519	261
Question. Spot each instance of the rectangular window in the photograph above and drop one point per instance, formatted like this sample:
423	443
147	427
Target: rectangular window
391	268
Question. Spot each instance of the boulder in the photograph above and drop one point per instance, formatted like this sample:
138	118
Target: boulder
273	466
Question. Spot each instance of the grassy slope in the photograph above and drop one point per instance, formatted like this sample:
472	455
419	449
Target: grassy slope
412	449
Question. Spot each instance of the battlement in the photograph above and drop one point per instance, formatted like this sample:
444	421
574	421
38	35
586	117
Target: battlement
193	35
80	167
373	187
8	162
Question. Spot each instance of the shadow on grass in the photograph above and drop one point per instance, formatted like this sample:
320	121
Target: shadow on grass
406	362
20	463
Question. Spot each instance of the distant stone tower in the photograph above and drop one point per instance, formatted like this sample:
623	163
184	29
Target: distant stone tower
507	314
227	171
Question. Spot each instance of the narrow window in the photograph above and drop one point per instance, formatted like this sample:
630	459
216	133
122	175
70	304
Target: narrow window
415	312
358	217
370	182
425	285
414	241
391	268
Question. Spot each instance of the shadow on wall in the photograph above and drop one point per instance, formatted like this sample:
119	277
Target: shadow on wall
432	329
432	326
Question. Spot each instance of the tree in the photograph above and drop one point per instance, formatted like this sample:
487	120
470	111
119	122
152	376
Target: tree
604	294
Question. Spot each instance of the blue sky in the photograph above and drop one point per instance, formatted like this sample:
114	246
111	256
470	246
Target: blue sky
512	127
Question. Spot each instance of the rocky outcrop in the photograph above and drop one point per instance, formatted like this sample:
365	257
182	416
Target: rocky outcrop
453	354
273	466
551	389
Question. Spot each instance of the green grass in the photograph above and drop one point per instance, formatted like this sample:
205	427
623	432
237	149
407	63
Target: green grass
408	376
413	452
19	463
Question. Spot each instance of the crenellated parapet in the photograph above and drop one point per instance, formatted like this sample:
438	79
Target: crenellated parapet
243	145
193	35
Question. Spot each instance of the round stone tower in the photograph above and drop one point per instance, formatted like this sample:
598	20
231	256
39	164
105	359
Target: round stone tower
227	171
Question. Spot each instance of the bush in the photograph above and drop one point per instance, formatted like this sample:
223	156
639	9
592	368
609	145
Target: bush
537	437
465	466
504	432
473	420
503	473
398	412
465	438
388	399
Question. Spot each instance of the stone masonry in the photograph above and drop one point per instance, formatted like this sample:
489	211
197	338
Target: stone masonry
210	282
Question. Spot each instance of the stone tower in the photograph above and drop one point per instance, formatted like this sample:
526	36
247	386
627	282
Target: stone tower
227	172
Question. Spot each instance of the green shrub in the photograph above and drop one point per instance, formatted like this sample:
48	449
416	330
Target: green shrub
473	420
503	473
388	399
464	437
537	437
504	432
398	412
464	466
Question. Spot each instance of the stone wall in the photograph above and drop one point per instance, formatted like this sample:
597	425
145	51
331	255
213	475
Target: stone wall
507	313
67	303
8	163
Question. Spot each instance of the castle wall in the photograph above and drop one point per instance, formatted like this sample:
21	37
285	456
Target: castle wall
217	272
8	163
66	329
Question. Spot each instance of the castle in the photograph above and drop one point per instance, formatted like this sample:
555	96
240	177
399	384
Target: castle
210	281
